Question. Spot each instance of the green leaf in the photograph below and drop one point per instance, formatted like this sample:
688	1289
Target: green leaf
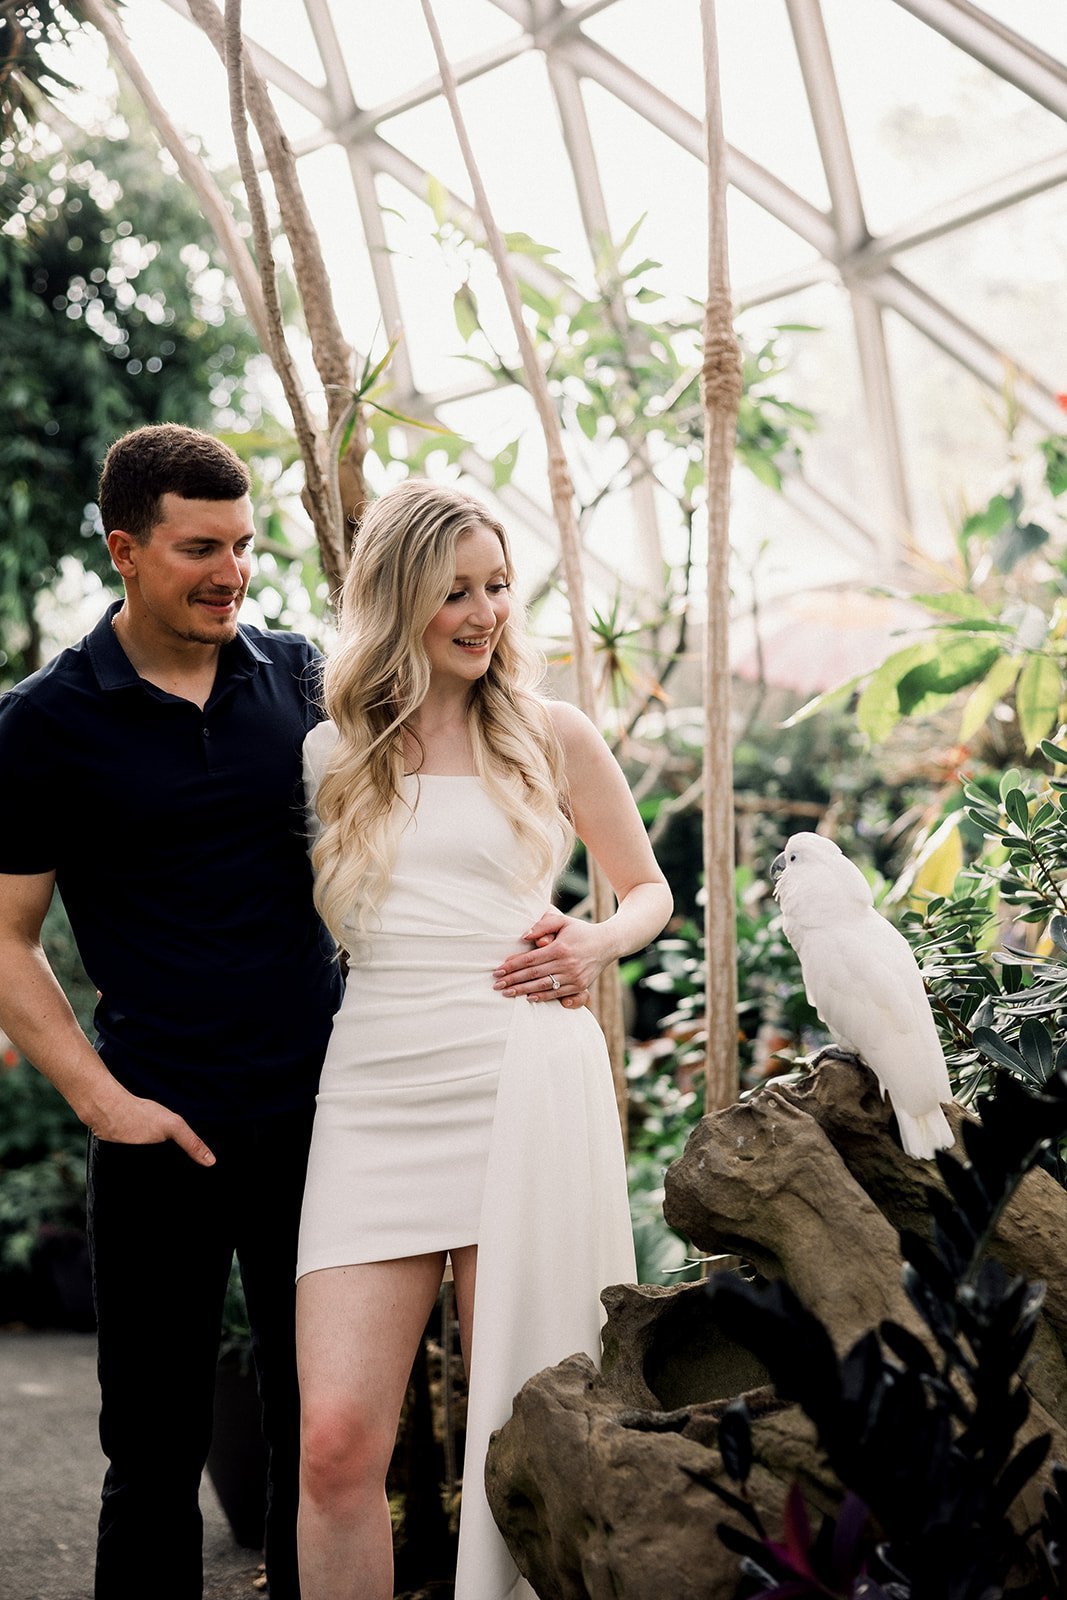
648	265
1035	1043
995	516
1054	753
1017	808
1057	932
368	378
956	603
631	235
1054	450
997	1049
952	667
1037	699
830	699
504	464
1015	543
437	199
520	244
992	689
465	311
878	710
588	416
1011	779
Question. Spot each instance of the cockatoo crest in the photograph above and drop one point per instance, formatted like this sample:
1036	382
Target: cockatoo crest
862	978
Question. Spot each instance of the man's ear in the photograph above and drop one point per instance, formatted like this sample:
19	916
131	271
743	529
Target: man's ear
122	547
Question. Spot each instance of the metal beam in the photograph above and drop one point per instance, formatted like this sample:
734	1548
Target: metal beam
579	144
828	120
882	421
967	346
366	120
309	95
997	47
999	195
799	215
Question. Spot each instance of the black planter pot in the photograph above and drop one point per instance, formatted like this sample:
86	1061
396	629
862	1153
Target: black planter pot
237	1461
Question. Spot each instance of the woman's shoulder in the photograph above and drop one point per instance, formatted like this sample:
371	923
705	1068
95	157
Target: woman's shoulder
572	727
318	745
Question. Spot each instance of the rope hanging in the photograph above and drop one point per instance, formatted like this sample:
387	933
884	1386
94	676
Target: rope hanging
607	1000
721	383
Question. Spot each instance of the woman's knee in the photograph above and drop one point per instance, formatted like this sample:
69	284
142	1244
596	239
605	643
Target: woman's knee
344	1452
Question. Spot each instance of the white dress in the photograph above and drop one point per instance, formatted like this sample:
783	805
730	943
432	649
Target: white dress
449	1115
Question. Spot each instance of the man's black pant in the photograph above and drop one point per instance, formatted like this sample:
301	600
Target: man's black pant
162	1233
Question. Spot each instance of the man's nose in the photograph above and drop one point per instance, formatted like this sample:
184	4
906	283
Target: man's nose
231	570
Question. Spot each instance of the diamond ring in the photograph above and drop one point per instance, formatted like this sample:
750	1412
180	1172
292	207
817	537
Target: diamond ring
553	980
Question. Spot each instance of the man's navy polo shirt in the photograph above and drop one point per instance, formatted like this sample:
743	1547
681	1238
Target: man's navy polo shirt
179	845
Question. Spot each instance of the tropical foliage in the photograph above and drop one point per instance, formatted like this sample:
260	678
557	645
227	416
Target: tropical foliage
929	1437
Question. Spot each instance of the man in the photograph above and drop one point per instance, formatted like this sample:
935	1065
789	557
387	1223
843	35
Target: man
152	772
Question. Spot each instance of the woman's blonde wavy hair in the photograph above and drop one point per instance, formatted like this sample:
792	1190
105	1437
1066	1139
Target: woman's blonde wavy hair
403	567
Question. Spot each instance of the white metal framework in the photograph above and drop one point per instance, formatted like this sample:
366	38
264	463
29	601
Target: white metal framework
868	268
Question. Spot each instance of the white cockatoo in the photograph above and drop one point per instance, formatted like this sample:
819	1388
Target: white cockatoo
862	978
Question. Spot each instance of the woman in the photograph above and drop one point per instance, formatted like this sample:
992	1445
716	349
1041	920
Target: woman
452	1121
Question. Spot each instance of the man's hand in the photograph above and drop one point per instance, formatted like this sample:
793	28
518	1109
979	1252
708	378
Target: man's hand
135	1121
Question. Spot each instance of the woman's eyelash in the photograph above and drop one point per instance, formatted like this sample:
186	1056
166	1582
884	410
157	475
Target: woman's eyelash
494	588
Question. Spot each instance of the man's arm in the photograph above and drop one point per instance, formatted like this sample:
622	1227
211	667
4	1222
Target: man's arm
36	1015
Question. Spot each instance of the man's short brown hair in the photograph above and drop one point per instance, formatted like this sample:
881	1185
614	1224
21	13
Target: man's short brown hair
165	458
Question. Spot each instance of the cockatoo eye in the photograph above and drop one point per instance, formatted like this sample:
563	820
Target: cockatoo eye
793	856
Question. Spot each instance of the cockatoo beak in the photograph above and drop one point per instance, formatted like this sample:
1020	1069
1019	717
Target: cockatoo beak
777	867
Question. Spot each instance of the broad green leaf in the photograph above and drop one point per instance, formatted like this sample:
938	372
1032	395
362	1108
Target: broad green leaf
504	464
1011	779
955	603
762	467
545	308
993	687
1017	808
1015	542
1037	699
437	199
1035	1042
989	521
997	1049
1054	753
939	863
1054	451
588	416
878	710
953	666
465	311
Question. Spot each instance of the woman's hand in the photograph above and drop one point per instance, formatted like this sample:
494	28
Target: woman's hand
573	952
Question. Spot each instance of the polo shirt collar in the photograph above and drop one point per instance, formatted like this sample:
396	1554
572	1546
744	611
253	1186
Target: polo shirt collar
114	669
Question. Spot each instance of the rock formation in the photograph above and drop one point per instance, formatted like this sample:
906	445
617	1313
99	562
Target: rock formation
598	1479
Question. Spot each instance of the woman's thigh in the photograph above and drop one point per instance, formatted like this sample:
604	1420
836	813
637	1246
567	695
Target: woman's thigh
358	1330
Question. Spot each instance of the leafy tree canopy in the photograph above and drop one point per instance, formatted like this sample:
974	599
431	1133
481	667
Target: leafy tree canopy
114	312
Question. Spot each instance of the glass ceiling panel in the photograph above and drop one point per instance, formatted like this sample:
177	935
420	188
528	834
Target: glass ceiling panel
932	122
977	271
385	56
953	432
928	130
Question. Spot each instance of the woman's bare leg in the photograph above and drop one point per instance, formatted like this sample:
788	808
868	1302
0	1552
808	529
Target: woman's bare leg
464	1272
358	1330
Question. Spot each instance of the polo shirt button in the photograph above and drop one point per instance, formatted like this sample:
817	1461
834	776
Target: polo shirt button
207	733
